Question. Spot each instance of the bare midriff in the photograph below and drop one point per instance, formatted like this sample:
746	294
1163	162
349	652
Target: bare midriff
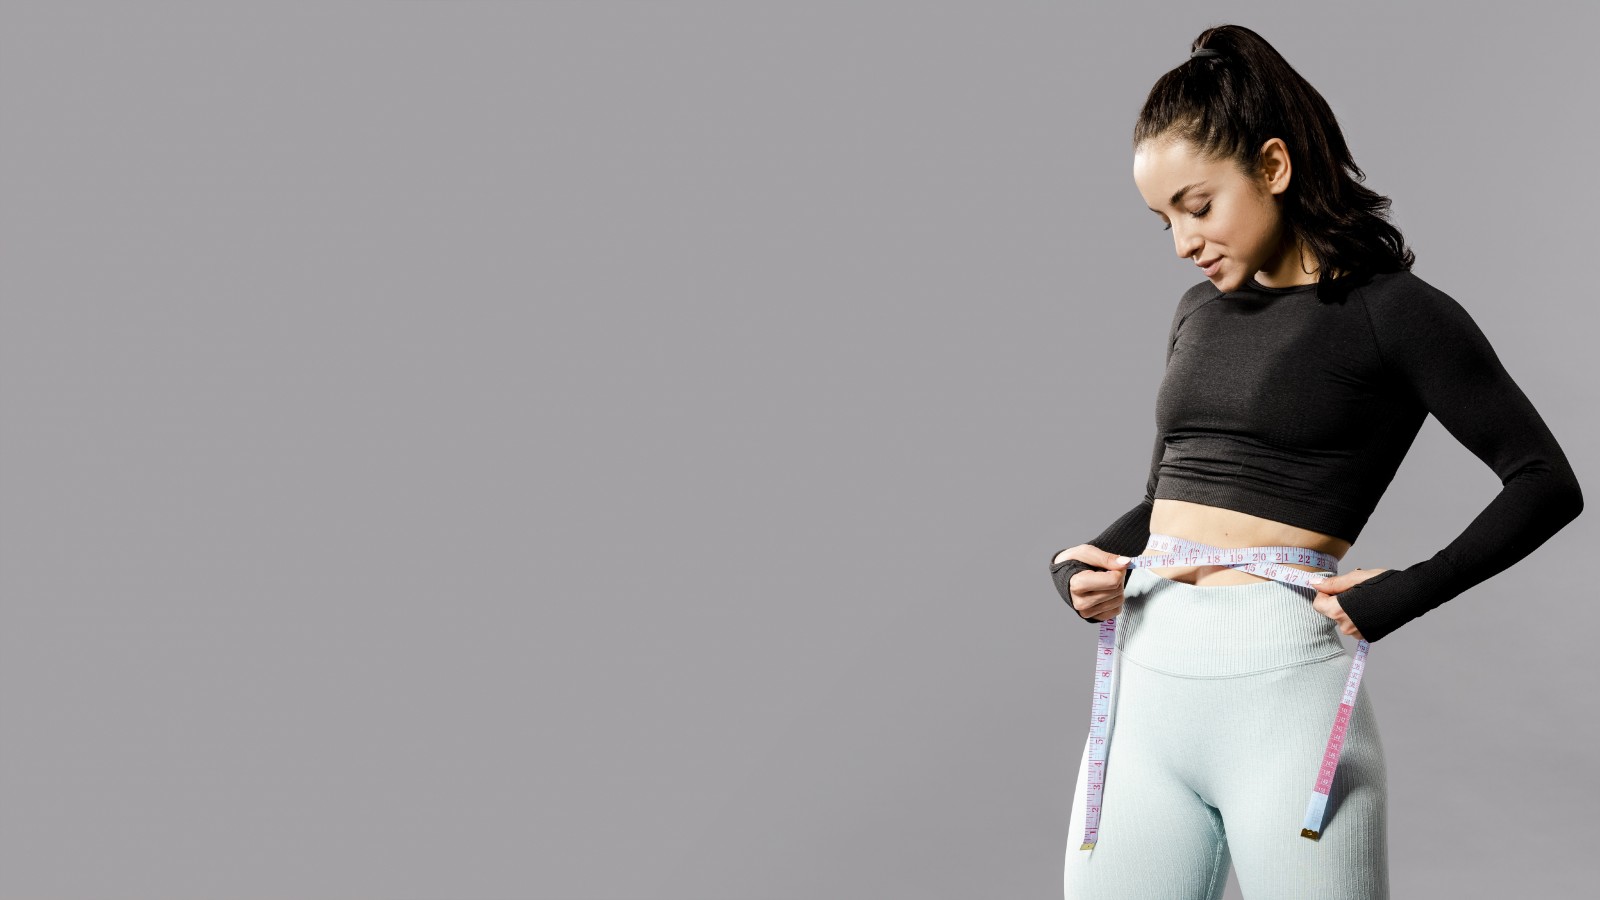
1229	528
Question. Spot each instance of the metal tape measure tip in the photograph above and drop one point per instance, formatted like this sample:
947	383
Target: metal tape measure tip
1308	833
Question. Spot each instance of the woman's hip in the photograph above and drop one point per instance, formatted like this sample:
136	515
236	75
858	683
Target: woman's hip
1221	631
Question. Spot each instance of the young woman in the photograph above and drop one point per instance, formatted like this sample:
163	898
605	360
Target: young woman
1298	373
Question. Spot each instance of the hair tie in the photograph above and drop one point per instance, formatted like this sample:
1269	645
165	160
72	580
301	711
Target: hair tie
1204	51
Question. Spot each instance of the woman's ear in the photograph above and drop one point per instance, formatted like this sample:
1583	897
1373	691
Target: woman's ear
1276	167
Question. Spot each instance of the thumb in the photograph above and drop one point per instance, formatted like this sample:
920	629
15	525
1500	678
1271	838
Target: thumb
1110	560
1333	584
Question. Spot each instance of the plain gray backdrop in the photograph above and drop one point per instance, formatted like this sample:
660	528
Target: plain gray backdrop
611	450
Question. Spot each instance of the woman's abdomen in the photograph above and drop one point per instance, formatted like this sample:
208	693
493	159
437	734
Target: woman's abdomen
1221	527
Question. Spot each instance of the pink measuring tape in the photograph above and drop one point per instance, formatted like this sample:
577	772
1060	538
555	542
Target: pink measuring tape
1262	561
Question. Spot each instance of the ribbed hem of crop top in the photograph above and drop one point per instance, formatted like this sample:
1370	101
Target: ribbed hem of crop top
1427	346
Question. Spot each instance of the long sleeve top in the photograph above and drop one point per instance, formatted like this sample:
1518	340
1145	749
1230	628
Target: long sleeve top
1298	404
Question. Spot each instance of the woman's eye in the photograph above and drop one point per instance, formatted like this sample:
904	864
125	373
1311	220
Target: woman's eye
1198	215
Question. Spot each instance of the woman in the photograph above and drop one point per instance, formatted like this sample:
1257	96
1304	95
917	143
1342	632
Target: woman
1298	373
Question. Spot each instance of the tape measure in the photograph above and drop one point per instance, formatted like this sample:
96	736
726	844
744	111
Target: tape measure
1267	563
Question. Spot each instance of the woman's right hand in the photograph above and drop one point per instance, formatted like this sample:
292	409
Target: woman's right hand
1096	596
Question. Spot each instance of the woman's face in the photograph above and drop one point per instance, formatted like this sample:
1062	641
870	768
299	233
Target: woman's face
1219	217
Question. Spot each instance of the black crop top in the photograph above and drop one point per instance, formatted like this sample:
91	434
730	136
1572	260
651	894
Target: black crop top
1298	404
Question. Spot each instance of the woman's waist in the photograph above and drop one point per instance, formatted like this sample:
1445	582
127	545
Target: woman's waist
1221	527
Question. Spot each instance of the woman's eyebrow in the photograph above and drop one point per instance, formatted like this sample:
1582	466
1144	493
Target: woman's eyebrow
1178	197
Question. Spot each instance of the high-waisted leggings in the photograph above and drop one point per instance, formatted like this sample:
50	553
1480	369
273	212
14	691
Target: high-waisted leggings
1222	701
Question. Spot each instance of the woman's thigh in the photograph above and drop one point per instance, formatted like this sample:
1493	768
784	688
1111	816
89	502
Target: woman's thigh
1158	840
1265	768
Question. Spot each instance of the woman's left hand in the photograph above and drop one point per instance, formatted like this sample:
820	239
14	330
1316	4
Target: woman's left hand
1327	604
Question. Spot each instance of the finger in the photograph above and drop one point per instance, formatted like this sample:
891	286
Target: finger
1329	606
1110	581
1094	609
1093	604
1093	582
1092	597
1096	599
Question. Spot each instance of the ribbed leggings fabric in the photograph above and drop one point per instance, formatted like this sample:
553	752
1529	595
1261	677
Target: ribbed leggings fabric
1222	700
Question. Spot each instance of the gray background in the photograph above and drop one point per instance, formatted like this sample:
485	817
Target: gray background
612	450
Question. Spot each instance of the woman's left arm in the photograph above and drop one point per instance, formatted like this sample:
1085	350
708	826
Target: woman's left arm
1433	346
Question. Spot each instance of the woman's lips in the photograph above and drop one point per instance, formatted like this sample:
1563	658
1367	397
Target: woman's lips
1212	269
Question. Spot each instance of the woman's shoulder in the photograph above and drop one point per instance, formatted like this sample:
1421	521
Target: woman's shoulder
1200	290
1404	294
1396	283
1411	315
1197	294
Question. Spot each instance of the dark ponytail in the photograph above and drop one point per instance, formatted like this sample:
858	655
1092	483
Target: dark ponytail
1228	105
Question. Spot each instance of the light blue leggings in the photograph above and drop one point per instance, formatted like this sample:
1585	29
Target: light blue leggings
1222	700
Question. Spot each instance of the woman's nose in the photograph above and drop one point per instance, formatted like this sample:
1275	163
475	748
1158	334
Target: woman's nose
1187	245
